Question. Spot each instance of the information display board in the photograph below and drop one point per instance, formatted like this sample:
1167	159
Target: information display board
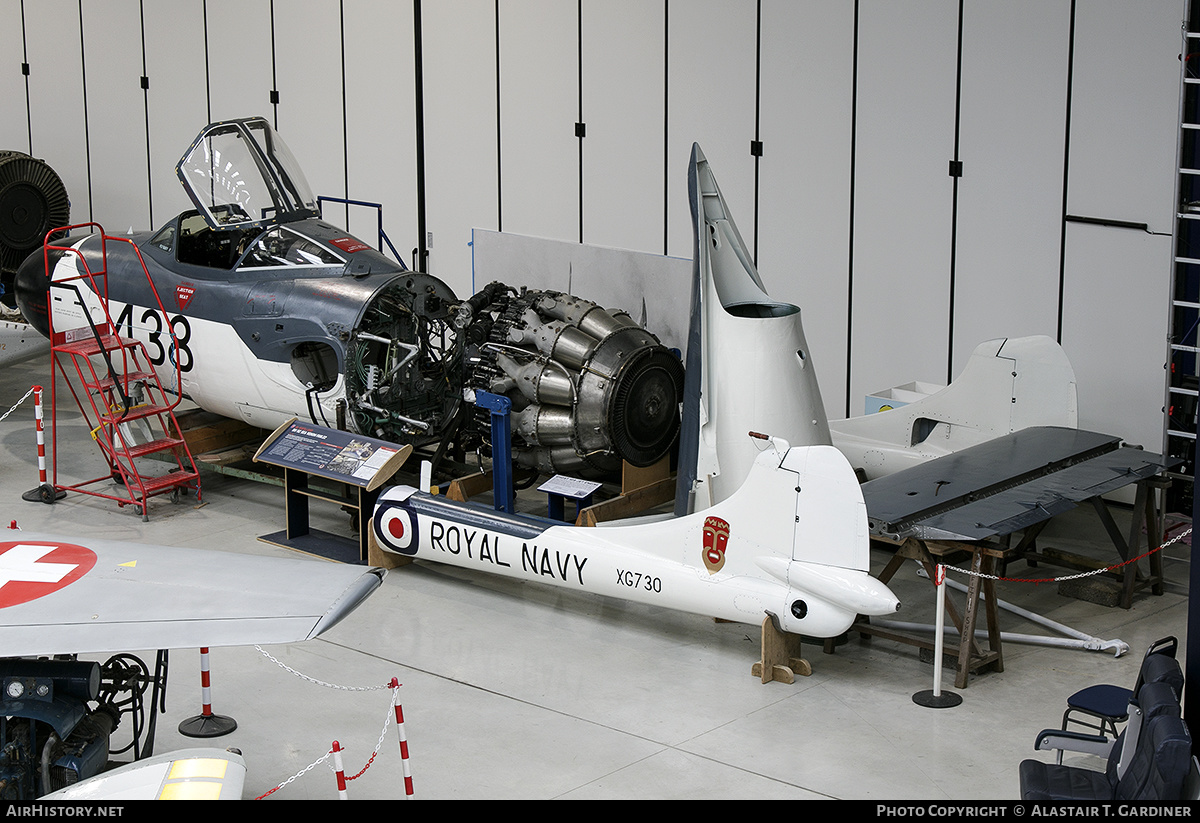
333	454
358	463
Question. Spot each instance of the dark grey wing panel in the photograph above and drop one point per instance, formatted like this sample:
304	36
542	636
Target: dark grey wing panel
1004	484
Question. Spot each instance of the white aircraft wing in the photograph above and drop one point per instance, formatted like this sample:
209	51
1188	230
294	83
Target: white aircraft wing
69	595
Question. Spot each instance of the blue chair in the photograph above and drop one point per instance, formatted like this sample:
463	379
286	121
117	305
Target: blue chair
1107	705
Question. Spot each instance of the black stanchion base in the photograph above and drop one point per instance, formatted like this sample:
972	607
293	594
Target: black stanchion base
212	725
44	493
945	700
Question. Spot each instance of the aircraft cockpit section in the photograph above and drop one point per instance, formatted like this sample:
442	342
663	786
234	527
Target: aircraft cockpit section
188	239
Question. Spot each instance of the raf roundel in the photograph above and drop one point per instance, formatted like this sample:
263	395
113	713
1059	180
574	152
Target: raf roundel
396	529
33	569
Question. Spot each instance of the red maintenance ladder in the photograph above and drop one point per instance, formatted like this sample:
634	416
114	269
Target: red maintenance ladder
126	407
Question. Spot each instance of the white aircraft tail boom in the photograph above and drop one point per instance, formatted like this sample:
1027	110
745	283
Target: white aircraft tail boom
791	542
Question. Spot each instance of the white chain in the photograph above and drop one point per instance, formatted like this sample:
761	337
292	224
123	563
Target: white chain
288	668
19	402
968	572
300	773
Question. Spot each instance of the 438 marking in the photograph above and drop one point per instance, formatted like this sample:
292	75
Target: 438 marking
152	322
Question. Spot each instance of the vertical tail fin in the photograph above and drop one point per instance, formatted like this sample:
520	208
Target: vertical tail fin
748	364
1007	385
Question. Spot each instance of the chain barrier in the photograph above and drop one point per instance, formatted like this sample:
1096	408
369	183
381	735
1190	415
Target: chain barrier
386	724
300	773
394	686
290	670
1102	570
19	402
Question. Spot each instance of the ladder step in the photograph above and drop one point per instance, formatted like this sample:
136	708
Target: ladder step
129	378
154	446
133	450
89	345
135	413
166	481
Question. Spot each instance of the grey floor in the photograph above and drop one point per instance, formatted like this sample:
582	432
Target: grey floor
514	690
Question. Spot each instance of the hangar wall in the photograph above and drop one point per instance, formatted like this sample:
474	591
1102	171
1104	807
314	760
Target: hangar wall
1056	109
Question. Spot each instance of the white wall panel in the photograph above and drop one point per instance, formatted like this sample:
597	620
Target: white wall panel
177	98
623	88
460	132
1115	328
539	152
1117	281
804	190
903	209
1013	129
380	117
710	101
239	59
116	115
56	97
1125	103
308	75
14	123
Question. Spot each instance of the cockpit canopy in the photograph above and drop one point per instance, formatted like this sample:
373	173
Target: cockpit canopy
240	174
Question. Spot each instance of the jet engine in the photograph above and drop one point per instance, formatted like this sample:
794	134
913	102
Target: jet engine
589	387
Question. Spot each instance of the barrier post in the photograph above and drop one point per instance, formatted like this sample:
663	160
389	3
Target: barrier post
206	724
935	699
341	773
408	783
44	491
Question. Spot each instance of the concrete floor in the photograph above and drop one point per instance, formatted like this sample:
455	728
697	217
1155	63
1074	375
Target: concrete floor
515	690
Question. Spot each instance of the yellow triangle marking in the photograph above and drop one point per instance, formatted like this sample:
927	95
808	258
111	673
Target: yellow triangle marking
131	564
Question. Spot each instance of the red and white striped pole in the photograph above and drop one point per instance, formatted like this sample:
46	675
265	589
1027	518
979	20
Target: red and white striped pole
206	724
44	491
408	784
341	773
41	437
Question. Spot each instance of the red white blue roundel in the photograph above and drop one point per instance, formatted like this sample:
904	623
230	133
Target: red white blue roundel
396	529
35	568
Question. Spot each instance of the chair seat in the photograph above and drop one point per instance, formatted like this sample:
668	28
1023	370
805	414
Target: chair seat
1051	782
1103	701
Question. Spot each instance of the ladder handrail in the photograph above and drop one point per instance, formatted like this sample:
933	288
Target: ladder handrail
66	283
91	276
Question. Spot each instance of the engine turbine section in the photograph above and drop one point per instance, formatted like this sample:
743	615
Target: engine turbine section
589	387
